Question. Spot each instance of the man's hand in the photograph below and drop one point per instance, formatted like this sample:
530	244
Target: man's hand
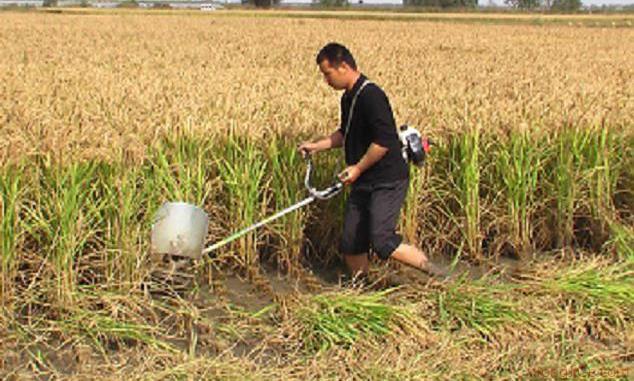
308	148
349	175
334	140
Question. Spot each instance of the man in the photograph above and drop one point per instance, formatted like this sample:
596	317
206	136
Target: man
375	170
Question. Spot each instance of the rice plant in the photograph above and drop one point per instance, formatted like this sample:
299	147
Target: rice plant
118	320
596	288
12	199
341	318
326	217
622	241
518	165
410	222
566	177
603	167
122	187
464	162
181	169
441	223
478	305
287	188
64	217
101	328
242	169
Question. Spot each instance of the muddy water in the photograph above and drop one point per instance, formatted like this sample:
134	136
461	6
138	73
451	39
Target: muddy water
233	299
255	294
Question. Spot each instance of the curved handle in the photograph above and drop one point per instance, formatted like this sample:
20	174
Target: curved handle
323	194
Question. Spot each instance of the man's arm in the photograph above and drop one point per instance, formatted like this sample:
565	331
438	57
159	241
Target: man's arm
335	140
374	153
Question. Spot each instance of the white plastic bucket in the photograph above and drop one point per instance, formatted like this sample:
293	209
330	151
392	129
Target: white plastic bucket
179	229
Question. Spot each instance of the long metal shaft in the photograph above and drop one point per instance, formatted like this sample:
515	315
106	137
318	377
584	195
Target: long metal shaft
265	221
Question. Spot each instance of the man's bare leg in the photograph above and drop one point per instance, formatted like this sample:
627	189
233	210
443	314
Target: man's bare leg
357	265
413	256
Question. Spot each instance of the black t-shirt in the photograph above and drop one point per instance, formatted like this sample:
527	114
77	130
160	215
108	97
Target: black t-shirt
372	122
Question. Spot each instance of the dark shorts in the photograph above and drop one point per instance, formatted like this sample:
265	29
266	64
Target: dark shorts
370	219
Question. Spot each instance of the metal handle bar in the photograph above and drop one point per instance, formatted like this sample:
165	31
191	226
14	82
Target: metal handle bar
323	194
315	194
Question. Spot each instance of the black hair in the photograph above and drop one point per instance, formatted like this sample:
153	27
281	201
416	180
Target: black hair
336	54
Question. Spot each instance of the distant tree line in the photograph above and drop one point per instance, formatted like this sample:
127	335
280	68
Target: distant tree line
413	3
555	5
261	3
333	3
442	3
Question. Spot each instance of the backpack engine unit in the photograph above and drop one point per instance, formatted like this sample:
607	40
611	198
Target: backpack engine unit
413	146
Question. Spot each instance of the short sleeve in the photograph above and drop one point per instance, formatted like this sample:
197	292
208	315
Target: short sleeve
379	117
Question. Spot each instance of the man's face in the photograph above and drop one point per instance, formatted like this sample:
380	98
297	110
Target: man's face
335	77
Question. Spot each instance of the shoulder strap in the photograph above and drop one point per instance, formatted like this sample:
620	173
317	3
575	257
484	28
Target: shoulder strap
354	101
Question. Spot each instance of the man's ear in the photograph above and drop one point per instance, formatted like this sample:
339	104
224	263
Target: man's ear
343	67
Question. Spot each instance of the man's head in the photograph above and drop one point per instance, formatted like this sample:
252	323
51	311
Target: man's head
338	66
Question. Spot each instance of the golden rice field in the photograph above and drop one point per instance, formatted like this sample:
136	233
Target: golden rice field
527	197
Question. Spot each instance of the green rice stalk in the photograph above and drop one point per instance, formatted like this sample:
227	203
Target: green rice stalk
12	194
122	317
340	319
568	167
478	305
181	169
65	216
518	166
440	211
595	288
122	187
602	157
287	188
465	177
410	222
622	241
101	329
242	170
326	217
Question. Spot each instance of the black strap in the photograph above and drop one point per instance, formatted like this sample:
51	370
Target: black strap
354	101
